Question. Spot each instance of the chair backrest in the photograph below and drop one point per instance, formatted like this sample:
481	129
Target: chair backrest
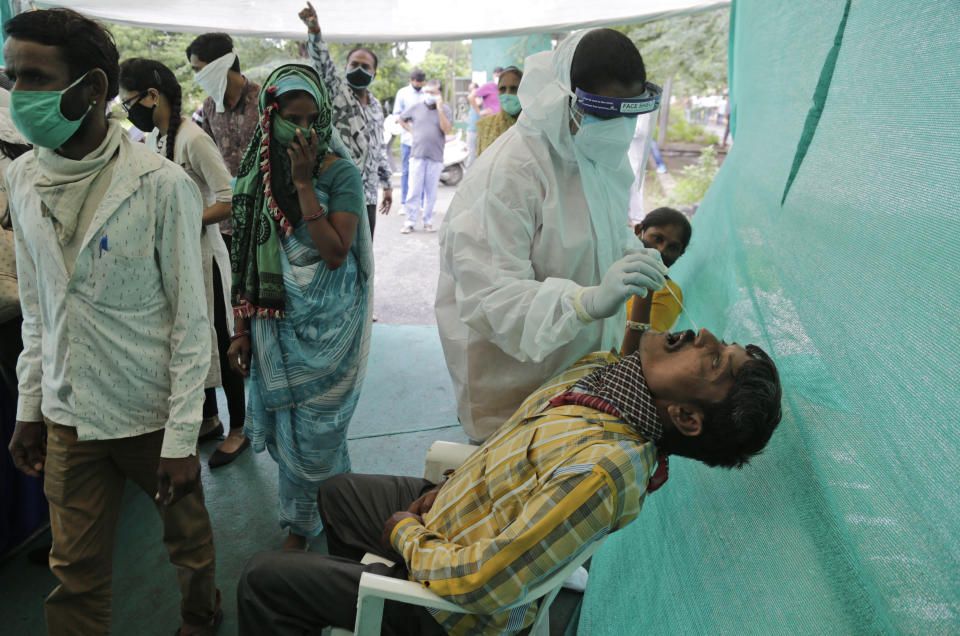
443	456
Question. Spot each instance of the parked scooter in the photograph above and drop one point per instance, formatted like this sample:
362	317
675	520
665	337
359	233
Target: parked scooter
455	153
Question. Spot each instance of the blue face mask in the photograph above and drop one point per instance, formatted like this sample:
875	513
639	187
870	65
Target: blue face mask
37	116
430	99
605	141
509	103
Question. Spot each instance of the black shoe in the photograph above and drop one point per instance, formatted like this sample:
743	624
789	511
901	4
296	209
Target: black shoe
219	458
211	629
206	433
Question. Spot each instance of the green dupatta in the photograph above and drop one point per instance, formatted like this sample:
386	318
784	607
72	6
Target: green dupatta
258	221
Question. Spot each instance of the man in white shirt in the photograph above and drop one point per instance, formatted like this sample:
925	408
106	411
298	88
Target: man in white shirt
407	97
115	329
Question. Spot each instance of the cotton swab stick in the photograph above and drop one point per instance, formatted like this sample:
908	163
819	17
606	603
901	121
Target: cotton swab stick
683	309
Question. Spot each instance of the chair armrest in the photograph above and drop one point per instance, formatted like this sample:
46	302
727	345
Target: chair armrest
370	557
387	587
445	456
375	588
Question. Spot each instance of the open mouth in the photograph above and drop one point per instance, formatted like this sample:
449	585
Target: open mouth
678	338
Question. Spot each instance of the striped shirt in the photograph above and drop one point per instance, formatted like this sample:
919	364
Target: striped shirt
549	482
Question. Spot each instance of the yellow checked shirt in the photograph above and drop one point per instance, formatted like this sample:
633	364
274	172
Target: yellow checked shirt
549	482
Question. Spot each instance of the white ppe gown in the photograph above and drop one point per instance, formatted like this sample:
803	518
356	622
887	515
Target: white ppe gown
517	244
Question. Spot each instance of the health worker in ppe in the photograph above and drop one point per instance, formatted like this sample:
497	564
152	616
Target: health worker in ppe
536	257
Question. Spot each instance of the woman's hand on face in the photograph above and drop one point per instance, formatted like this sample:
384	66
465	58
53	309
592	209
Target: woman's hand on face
303	157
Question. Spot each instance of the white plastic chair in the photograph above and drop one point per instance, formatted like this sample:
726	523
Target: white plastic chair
376	588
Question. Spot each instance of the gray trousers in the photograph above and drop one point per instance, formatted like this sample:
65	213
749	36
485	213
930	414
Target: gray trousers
286	592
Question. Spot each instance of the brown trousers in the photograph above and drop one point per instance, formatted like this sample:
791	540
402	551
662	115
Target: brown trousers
83	482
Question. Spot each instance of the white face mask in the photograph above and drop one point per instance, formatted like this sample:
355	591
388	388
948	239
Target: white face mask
212	78
605	141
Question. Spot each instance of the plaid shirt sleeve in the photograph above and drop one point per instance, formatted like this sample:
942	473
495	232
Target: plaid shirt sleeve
577	505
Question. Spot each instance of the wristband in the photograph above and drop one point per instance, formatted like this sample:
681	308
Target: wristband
633	325
239	334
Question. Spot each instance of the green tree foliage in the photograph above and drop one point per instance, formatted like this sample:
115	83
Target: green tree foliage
696	179
258	57
445	61
691	48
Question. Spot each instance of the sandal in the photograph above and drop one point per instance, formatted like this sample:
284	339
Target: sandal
406	229
211	628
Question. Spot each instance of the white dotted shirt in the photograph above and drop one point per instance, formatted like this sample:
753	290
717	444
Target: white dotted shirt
121	346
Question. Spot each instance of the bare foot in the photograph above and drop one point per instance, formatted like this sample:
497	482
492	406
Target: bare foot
234	438
295	542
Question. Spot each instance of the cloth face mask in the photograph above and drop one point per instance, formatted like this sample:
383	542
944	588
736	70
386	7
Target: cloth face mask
509	103
212	78
359	78
142	117
284	132
37	116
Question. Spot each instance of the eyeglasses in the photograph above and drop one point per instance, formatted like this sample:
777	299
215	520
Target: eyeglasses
127	104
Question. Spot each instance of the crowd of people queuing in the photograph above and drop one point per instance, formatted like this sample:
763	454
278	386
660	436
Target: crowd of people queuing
238	254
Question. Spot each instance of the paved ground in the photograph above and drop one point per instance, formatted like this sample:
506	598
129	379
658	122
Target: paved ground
407	265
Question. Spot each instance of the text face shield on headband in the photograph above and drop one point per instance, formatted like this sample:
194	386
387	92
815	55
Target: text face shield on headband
619	106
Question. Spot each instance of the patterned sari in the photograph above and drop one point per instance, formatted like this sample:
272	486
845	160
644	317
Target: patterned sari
309	361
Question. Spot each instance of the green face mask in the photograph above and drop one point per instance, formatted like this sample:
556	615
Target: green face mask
37	116
284	132
509	103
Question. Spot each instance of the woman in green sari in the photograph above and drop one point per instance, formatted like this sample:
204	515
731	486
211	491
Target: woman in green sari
302	291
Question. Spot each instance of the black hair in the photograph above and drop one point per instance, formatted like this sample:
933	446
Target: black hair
499	69
376	60
83	43
211	46
511	69
434	82
665	217
11	150
139	74
739	426
417	75
605	57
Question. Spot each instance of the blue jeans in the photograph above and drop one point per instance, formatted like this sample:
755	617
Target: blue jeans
405	177
424	180
655	151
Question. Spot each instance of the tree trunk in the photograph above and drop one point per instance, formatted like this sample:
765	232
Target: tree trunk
664	112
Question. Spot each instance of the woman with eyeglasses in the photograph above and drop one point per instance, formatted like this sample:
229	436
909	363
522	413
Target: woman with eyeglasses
151	96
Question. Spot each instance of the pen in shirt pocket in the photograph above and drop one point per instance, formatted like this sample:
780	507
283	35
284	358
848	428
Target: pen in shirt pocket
104	245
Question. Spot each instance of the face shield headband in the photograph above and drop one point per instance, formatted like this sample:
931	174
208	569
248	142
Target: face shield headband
619	107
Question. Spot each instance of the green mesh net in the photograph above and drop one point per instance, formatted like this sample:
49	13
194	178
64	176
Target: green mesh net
831	237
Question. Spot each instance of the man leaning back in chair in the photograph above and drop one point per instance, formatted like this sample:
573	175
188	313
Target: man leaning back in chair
573	464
